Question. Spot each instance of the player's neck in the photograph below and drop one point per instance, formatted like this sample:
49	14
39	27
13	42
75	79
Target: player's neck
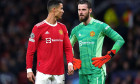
51	19
88	21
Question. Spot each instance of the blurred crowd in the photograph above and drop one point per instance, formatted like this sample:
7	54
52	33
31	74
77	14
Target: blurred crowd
17	18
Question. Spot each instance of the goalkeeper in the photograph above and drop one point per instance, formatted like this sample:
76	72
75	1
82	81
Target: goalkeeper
90	35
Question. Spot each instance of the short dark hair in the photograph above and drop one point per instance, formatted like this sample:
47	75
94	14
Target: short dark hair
52	3
85	2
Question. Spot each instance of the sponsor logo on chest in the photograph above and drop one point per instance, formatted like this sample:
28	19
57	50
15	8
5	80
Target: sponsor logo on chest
85	43
50	40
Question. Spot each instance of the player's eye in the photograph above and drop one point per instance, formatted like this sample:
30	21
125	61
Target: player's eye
83	9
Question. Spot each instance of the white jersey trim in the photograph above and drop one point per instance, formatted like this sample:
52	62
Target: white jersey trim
50	24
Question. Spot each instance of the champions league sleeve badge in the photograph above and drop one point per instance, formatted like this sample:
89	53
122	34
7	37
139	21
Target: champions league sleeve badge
32	35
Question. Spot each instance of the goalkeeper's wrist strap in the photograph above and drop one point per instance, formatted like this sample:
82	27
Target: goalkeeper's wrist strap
112	53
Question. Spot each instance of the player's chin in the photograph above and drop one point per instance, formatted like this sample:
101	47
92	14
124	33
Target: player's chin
81	20
60	17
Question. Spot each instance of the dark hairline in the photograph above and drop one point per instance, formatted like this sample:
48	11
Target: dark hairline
53	4
85	2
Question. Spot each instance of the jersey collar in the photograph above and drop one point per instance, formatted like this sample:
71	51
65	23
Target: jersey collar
50	24
91	21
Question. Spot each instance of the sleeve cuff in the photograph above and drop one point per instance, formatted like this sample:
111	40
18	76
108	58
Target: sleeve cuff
70	64
29	70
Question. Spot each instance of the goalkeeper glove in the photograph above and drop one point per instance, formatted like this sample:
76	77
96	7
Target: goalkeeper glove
76	64
99	61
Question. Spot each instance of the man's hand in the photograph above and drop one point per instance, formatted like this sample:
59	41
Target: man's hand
99	61
31	77
76	64
70	70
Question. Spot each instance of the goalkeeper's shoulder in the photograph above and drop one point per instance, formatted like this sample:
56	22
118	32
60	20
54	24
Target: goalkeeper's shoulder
101	23
76	28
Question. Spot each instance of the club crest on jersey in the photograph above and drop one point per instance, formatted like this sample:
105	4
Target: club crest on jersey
60	32
92	33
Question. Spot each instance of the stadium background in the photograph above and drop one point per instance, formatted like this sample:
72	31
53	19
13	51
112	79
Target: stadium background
17	18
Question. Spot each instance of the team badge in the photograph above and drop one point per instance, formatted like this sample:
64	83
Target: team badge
60	32
92	33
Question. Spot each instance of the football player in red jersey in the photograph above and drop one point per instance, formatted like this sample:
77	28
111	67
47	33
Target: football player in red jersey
49	38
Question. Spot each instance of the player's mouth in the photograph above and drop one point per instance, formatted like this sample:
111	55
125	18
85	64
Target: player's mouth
81	15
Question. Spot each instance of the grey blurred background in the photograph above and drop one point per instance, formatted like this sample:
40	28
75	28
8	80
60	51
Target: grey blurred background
17	18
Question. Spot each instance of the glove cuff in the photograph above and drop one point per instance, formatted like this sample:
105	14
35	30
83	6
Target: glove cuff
111	53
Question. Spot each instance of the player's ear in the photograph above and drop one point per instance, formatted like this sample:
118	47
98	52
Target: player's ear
53	9
90	10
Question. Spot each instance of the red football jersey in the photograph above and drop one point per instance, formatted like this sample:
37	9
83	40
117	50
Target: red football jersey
49	41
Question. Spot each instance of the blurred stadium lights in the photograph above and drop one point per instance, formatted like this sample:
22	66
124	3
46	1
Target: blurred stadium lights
106	3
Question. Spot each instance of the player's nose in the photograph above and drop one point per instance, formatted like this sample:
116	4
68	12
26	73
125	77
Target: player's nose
62	11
